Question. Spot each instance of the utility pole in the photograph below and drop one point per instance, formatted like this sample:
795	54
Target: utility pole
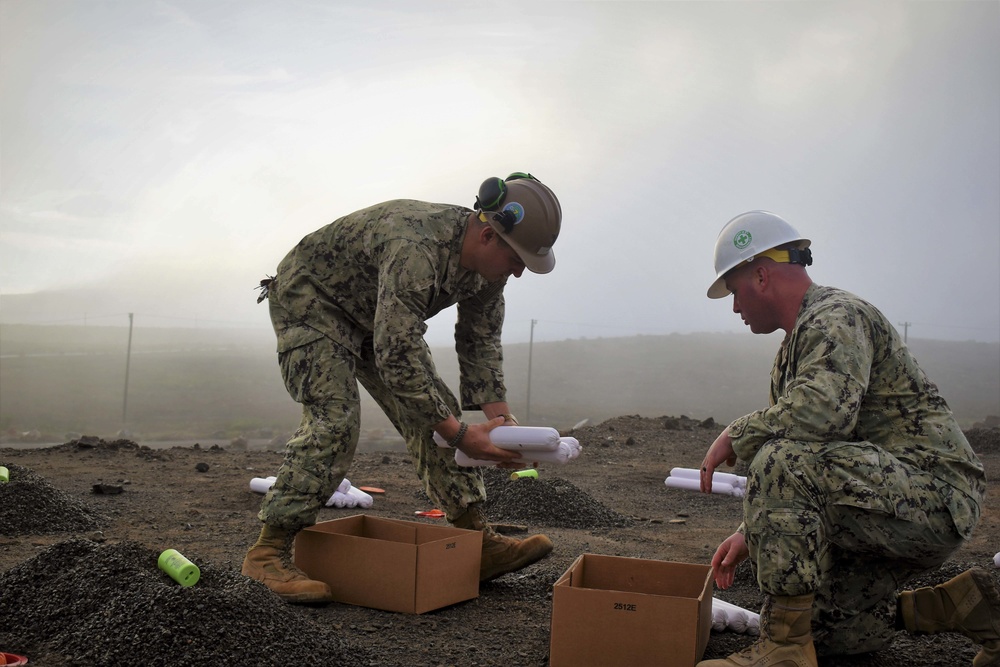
128	358
906	329
531	344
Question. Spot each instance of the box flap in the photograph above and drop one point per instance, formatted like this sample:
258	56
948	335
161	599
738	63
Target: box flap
637	574
447	567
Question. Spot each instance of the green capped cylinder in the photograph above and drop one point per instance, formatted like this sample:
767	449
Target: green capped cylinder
180	569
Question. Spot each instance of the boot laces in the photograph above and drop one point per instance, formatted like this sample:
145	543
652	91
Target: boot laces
286	558
752	652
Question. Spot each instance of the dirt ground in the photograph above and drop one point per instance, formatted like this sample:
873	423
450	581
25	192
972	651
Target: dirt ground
79	583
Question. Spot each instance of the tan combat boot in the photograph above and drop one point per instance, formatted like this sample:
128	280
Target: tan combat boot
785	637
502	554
969	604
269	561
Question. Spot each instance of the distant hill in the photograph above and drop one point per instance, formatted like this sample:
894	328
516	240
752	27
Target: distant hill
191	383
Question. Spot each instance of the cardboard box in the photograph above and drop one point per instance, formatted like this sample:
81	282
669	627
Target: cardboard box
608	610
393	565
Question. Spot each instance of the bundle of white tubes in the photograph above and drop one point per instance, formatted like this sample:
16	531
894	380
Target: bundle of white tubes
535	444
724	483
345	495
727	616
349	496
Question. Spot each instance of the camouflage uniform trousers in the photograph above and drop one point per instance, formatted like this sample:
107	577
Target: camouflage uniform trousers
850	523
323	377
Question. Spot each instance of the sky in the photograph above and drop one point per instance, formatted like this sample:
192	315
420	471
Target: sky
165	155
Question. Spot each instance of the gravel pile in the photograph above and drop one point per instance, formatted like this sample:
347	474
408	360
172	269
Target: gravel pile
29	505
544	502
80	603
984	440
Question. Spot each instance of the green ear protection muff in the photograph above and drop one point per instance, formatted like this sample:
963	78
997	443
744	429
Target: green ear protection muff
491	195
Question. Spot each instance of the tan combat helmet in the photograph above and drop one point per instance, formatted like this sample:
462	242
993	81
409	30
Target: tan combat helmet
526	214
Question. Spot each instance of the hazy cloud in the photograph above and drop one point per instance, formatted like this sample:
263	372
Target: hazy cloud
204	139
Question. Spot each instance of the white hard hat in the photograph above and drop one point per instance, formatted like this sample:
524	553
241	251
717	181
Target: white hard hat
750	235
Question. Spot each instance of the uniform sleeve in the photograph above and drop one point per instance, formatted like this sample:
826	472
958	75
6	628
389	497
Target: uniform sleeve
477	342
407	284
829	367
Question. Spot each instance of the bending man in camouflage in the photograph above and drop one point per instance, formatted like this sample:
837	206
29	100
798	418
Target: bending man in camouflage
349	304
859	477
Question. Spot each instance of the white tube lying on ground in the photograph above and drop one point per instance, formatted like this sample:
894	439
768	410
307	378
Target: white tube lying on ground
689	484
720	618
345	495
727	616
363	499
567	450
341	500
735	481
518	438
262	484
996	560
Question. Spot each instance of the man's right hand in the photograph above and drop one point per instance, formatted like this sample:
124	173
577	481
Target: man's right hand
476	443
720	451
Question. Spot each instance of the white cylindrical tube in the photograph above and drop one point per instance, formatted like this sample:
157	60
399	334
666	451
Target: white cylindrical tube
518	438
736	481
338	499
719	620
996	560
527	438
572	445
262	484
738	619
689	484
363	499
562	455
694	484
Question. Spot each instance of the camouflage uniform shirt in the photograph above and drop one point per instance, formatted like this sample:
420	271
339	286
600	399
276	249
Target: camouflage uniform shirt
370	280
843	374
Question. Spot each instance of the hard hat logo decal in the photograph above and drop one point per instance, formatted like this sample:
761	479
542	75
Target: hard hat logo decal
742	239
516	210
511	214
